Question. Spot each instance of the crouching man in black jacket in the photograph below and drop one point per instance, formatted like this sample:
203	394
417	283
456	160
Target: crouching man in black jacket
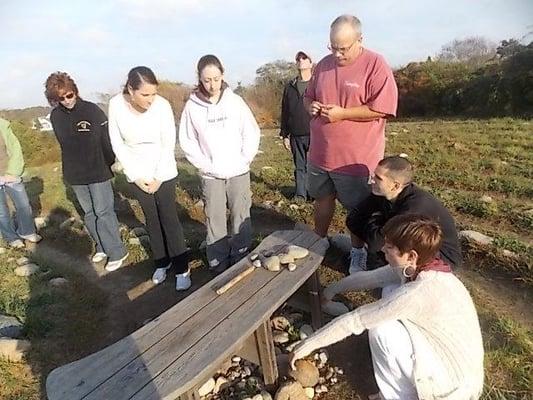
394	193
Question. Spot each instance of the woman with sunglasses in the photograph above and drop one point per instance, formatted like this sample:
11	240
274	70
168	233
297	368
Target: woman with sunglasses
81	130
143	135
424	336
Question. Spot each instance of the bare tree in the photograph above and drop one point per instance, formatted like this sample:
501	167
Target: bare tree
474	51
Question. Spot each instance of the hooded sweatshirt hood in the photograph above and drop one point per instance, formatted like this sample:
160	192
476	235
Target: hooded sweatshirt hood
220	139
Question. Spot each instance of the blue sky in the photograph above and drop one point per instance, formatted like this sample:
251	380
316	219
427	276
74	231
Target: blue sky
98	41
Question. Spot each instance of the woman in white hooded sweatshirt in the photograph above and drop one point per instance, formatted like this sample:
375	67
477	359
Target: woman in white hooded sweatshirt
220	137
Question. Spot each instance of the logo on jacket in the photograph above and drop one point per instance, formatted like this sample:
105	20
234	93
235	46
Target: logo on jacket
84	126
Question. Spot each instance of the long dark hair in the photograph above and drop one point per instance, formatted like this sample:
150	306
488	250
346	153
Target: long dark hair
204	61
137	76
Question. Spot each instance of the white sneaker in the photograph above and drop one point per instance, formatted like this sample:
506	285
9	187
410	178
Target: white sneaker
183	281
17	244
358	258
98	257
34	237
114	265
160	274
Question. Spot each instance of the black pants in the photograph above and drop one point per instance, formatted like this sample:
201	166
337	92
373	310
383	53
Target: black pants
163	225
299	149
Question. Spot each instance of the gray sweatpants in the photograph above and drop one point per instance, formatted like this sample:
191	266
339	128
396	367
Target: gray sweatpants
235	195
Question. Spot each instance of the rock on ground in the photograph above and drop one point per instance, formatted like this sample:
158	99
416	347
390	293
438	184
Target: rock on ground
476	237
26	270
14	350
10	327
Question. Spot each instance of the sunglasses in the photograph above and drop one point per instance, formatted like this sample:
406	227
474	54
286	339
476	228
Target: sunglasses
67	96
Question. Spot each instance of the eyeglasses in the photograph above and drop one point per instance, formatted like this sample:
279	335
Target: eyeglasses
67	96
340	50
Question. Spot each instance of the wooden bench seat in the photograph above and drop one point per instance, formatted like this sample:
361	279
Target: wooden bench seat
174	354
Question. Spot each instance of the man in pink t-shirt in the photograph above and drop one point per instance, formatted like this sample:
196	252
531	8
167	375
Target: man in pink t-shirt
350	95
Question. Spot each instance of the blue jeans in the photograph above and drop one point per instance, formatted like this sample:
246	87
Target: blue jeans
24	219
97	202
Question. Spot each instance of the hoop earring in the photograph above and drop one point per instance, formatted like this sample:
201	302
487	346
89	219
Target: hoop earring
405	274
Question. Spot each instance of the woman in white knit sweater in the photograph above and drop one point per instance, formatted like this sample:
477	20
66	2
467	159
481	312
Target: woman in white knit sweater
424	335
220	137
143	137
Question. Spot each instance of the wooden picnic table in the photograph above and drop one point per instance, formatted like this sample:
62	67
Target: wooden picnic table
174	354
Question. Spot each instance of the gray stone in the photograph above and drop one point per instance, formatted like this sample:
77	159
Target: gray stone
510	254
306	373
26	270
14	350
22	261
58	282
476	237
280	337
305	331
10	327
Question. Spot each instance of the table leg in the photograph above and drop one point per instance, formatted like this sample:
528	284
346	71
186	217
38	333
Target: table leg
314	288
267	355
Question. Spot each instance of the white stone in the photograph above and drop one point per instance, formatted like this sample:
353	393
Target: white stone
199	204
207	387
254	256
294	207
221	381
26	270
257	263
297	252
265	395
323	389
305	331
40	222
10	327
309	392
291	267
272	263
393	133
236	359
323	357
14	350
510	254
58	282
486	199
476	237
22	261
280	337
403	155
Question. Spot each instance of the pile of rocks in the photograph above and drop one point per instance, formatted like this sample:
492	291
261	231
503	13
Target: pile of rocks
239	379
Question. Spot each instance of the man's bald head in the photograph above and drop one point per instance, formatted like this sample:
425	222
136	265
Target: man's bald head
347	23
345	39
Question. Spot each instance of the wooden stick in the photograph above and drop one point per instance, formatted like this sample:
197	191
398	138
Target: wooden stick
249	269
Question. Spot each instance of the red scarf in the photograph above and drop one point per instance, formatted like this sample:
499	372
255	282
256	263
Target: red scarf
436	265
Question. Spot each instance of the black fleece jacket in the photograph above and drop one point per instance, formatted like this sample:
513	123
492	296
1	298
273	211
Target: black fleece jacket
367	221
294	117
85	145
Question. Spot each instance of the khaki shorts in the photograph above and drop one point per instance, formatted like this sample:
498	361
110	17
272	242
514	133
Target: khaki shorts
349	190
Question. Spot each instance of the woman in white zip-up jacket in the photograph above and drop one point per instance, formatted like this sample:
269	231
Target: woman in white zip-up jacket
143	137
220	137
424	336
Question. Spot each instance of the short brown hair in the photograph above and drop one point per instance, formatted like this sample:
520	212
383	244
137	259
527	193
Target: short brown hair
414	232
398	168
56	82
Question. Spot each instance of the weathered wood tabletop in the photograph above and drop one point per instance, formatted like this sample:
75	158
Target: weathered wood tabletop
176	352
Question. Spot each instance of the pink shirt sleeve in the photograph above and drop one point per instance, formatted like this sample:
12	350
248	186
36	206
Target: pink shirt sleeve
382	89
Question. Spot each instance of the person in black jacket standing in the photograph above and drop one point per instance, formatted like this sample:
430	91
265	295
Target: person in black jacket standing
81	130
295	123
394	193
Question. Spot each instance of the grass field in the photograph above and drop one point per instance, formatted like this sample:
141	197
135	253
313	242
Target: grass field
460	161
